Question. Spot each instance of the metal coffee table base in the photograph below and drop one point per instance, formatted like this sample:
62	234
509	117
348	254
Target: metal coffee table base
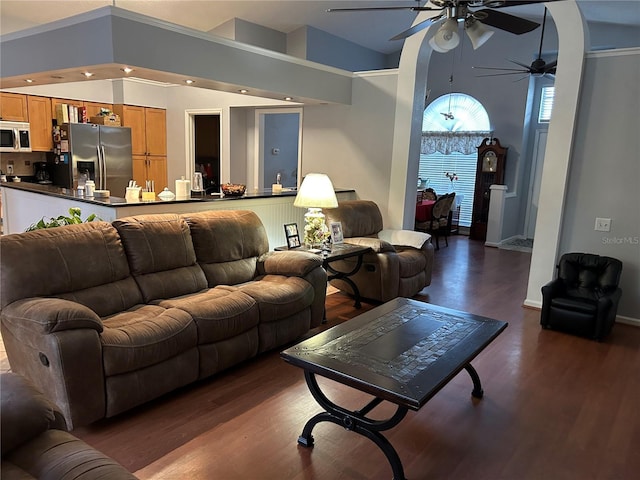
357	421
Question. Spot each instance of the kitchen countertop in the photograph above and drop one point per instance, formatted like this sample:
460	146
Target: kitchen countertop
120	202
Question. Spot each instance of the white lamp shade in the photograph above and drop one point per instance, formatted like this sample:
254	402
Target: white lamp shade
316	191
446	38
478	34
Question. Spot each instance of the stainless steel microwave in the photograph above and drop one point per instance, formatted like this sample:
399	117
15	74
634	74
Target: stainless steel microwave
14	137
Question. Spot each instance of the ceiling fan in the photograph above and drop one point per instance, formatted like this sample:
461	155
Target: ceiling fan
538	67
454	11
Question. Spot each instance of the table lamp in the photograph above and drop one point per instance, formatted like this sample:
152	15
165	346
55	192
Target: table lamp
316	193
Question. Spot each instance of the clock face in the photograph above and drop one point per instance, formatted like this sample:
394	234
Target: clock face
489	162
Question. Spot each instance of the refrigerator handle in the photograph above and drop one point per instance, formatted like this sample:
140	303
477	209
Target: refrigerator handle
103	180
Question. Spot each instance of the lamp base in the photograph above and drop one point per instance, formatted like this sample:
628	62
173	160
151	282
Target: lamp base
315	230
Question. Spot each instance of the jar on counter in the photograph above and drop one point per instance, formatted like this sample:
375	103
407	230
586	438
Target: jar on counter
89	188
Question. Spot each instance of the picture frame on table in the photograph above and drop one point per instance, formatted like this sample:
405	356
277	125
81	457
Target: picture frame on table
292	235
336	233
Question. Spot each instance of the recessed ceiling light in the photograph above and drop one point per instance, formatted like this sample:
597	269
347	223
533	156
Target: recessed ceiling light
288	99
127	70
243	90
189	82
29	80
88	74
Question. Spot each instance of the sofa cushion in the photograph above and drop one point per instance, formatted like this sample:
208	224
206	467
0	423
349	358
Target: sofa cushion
25	411
161	255
86	263
219	313
411	261
359	218
227	244
144	336
56	454
279	297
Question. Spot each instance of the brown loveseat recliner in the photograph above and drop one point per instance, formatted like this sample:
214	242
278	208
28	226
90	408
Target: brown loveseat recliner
103	317
400	263
35	444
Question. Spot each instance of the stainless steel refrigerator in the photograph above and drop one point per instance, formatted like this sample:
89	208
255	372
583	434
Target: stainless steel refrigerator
100	153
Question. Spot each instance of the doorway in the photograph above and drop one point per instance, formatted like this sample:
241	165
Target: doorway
279	146
206	141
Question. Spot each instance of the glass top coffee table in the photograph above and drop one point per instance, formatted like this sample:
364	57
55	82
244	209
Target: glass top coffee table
402	352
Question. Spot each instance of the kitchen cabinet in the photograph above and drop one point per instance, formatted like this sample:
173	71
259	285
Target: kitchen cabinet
56	101
148	142
151	167
93	108
41	124
13	106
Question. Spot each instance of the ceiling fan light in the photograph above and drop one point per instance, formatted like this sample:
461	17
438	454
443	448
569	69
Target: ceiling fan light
446	38
477	33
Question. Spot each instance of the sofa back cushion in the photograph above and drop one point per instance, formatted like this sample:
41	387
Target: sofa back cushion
359	218
227	244
85	263
161	255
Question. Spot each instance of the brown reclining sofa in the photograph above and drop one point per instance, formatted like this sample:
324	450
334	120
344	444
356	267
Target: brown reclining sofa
102	317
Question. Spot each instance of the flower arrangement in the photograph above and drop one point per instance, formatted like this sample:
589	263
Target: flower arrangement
451	176
315	231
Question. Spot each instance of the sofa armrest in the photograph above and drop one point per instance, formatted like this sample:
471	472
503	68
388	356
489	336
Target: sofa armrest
25	412
377	245
49	315
291	263
405	238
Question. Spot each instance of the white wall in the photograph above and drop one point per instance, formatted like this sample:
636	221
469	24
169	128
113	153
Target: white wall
605	171
353	144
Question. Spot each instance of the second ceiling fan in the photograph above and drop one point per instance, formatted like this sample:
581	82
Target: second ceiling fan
538	67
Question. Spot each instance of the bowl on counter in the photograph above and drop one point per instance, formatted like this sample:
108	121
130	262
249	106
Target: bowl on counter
233	189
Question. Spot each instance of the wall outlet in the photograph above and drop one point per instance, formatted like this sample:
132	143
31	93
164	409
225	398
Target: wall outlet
603	224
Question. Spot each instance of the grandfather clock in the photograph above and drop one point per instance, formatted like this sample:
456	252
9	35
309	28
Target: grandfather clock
489	171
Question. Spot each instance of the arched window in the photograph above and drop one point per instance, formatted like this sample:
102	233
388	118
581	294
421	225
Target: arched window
453	126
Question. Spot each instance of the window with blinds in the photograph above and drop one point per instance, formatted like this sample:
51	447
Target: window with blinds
546	104
459	114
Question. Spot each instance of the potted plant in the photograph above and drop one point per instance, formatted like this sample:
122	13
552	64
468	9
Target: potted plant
74	218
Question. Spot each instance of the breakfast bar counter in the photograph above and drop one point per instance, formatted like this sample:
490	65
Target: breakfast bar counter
26	203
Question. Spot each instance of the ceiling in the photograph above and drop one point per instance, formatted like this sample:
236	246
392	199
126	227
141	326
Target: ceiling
369	29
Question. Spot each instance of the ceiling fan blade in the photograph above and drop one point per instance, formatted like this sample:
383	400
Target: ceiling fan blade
503	69
417	27
528	67
507	22
510	3
369	9
551	65
501	74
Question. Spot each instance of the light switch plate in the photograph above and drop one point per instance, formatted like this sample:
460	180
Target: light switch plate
603	224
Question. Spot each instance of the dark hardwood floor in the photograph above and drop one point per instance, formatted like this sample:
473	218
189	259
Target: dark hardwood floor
556	406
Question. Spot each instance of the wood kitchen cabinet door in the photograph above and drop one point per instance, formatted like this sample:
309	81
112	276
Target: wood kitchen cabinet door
13	106
140	169
41	124
157	171
156	131
56	101
93	108
150	168
133	117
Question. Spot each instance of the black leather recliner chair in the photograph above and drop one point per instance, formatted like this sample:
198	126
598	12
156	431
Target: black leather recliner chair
584	298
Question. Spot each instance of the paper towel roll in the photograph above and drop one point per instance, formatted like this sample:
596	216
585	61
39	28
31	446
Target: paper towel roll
183	188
